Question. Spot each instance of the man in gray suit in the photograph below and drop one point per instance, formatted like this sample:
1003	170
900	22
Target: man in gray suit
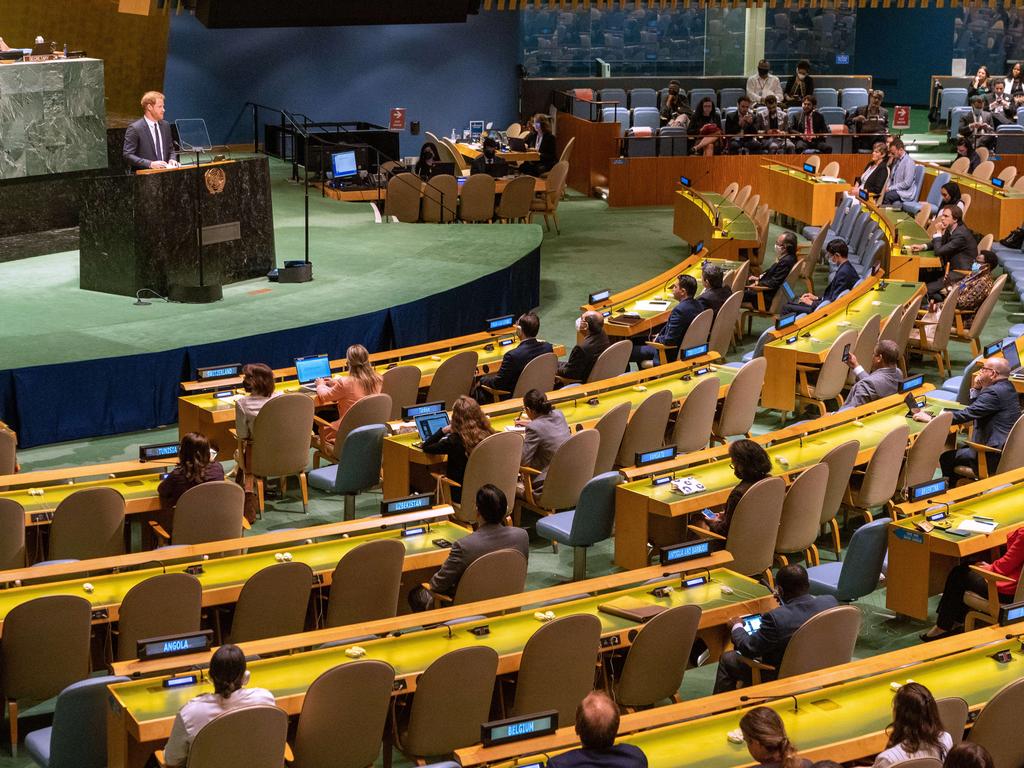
769	642
490	536
884	379
994	409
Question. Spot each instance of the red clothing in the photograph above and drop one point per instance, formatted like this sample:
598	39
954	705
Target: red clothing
1010	563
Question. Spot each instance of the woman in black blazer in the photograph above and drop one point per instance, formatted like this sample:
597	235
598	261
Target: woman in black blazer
872	179
469	427
541	139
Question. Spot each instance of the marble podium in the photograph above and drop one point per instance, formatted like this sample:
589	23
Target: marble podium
52	117
140	231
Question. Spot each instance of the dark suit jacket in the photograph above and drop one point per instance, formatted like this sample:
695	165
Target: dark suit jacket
583	356
958	249
714	298
818	124
773	277
497	167
732	124
515	360
618	756
139	149
778	626
548	149
874	180
845	276
993	411
486	539
450	444
682	315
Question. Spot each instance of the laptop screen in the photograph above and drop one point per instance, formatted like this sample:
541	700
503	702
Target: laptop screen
429	423
1012	355
311	368
343	164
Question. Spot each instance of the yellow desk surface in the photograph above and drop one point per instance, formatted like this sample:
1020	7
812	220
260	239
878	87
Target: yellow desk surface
139	491
633	388
145	710
800	195
473	151
993	211
919	562
824	326
792	450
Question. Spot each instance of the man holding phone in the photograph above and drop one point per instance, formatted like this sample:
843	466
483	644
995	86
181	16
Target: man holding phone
883	380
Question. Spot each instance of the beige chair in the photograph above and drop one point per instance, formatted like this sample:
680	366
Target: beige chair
742	195
344	714
933	337
538	374
965	198
44	650
864	348
840	462
740	405
907	322
998	719
248	737
923	456
985	244
206	512
166	604
968	326
366	583
402	385
801	515
825	640
514	131
1010	457
612	362
750	207
729	193
496	574
461	166
12	535
279	443
372	409
477	199
657	658
453	378
8	451
571	467
759	308
960	165
440	201
495	460
724	327
983	153
876	485
88	523
452	699
754	528
646	428
403	201
515	200
921	762
692	429
923	215
831	169
272	603
699	330
612	427
556	670
890	327
953	714
1008	174
814	160
831	376
984	170
546	203
984	609
739	277
1018	185
567	151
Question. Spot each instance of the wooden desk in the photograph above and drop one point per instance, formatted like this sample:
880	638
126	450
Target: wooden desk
919	562
993	211
803	196
792	450
373	195
725	229
474	151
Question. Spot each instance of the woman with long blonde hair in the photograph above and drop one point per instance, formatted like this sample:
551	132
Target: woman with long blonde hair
360	381
469	427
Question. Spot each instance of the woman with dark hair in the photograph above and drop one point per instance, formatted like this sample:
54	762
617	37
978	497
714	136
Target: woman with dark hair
542	140
1015	82
258	382
468	428
195	465
967	754
751	464
767	742
706	127
916	728
429	157
360	380
546	429
949	195
800	85
229	676
964	148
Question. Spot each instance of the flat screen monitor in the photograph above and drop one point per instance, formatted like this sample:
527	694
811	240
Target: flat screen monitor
1012	355
309	369
343	164
785	321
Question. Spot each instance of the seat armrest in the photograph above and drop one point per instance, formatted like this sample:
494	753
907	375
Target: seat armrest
704	533
160	531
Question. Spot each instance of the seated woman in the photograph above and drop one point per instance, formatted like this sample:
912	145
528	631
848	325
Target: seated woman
949	195
964	148
258	382
229	676
429	157
872	179
706	128
542	140
916	728
546	430
468	428
196	465
952	611
751	464
360	381
767	742
967	754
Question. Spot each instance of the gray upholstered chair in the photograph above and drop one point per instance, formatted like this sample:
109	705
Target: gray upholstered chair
206	512
453	378
279	443
692	430
495	460
402	385
801	515
657	658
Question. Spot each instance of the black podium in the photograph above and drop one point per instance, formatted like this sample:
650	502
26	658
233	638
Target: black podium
139	231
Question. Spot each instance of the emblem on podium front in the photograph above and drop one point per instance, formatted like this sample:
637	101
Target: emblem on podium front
216	180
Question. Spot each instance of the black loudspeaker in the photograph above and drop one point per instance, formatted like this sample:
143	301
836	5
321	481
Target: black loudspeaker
414	127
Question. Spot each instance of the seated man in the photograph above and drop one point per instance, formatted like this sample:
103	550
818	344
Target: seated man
769	642
902	186
1003	110
597	723
978	125
671	335
763	83
884	379
742	127
584	355
715	291
870	120
773	277
490	161
490	536
775	123
808	128
515	360
842	279
956	248
994	409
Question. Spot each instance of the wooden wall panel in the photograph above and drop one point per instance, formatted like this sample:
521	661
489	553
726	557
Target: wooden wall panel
596	144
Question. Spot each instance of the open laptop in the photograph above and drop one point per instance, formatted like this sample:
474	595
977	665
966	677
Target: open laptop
1012	357
309	369
516	144
429	423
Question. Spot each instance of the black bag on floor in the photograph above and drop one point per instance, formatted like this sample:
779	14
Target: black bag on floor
1015	239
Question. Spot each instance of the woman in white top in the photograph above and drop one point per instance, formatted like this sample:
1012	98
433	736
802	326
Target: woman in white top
258	381
916	729
227	671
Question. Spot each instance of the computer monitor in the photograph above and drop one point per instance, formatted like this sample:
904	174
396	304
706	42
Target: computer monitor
309	369
1012	355
344	164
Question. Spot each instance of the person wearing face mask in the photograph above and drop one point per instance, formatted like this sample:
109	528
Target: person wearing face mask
870	120
955	246
684	290
541	139
977	125
769	281
584	355
809	127
800	85
490	162
842	279
763	83
976	286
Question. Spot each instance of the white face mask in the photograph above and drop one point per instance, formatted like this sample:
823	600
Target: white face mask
975	267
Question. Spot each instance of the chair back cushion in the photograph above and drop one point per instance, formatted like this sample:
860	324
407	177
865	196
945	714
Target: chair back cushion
658	657
248	737
280	436
557	667
825	640
366	583
272	602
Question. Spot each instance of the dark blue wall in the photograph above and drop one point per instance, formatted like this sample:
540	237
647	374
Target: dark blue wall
902	48
444	74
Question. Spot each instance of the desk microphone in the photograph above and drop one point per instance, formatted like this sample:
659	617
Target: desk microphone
796	704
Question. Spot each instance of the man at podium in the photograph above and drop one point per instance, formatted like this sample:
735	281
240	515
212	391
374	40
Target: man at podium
147	141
